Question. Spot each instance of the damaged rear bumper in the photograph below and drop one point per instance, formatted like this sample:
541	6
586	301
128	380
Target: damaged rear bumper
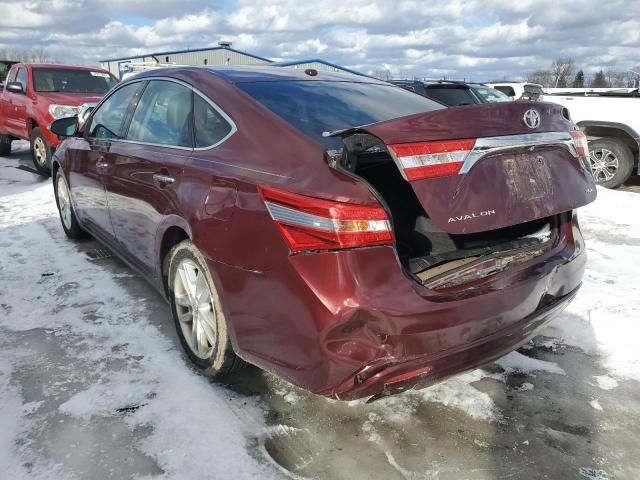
386	378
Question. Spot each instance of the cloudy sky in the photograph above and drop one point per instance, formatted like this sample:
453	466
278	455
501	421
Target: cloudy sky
481	40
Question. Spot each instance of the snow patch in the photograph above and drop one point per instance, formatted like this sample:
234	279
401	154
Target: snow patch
606	382
595	404
517	362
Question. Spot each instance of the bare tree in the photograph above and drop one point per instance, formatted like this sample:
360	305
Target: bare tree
385	75
616	78
561	70
542	77
34	55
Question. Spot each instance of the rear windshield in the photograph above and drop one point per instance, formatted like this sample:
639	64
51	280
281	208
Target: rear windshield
451	95
71	81
316	107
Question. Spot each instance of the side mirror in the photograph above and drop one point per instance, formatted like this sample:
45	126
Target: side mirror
83	115
15	87
65	127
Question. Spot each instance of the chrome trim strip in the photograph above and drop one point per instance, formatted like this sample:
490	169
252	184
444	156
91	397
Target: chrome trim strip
489	145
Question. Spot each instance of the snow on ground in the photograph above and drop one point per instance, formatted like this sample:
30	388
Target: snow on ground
48	285
88	372
604	319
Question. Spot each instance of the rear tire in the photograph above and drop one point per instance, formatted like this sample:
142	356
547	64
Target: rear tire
611	162
197	312
41	152
5	145
65	207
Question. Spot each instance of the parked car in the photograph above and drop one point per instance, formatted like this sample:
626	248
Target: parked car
37	94
519	90
338	231
612	125
452	93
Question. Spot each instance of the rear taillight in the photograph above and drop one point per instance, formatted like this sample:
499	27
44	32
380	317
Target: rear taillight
432	159
581	144
309	223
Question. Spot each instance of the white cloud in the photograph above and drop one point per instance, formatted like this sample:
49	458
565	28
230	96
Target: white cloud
474	39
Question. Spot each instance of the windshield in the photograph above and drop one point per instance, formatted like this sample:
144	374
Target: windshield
314	107
491	95
71	81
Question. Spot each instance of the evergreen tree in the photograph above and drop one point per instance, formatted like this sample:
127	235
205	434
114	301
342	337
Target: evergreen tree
578	81
599	80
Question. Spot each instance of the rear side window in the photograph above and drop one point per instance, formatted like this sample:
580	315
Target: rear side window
163	115
452	96
108	120
210	126
314	107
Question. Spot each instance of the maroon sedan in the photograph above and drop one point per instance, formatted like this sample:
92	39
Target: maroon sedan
345	234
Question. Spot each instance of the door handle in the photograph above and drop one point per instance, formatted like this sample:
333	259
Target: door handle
163	180
101	163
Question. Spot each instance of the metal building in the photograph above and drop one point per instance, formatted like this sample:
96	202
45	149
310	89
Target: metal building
221	55
317	64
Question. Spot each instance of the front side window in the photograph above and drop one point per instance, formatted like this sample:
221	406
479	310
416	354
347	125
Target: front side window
108	120
211	127
21	78
71	81
163	115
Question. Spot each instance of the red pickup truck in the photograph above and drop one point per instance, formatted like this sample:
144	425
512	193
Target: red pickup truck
35	95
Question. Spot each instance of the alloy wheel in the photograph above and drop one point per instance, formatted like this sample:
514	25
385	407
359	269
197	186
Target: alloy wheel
195	309
604	164
40	151
64	202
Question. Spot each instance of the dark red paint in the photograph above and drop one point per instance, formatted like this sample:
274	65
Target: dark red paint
348	323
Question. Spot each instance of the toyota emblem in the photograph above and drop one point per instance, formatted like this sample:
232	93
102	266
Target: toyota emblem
531	118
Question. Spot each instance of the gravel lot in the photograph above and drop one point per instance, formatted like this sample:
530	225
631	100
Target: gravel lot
93	384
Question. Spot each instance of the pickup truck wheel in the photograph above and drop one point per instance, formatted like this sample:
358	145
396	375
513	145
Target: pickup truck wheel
611	162
41	152
5	145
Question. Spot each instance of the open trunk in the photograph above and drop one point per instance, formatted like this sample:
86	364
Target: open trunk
476	205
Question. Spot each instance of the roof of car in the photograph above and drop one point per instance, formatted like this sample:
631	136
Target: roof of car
255	73
239	74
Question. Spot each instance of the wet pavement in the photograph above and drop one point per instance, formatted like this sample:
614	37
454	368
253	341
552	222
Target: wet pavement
542	413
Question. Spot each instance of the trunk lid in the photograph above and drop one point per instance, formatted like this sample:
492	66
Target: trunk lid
511	172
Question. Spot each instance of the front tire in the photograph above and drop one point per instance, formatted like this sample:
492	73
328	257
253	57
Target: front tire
611	162
197	312
67	214
41	152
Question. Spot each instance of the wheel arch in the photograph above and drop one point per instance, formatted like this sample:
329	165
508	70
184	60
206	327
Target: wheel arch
171	232
32	125
620	131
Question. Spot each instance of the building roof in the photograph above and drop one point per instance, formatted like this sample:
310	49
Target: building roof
176	52
317	60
